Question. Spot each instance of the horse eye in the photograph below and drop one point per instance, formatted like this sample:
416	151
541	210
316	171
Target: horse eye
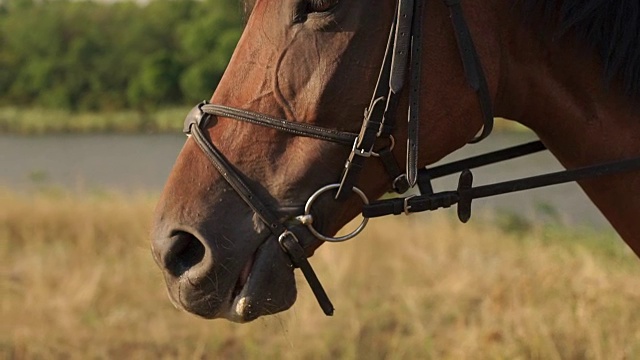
320	5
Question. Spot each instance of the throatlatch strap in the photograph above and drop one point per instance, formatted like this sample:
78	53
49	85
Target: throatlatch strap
472	66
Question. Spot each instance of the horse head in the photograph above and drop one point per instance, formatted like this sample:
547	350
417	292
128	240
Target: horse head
303	73
311	62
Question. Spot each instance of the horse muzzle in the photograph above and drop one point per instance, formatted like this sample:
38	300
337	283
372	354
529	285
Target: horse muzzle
239	286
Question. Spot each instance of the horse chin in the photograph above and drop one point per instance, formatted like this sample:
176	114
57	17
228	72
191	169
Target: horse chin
269	286
264	286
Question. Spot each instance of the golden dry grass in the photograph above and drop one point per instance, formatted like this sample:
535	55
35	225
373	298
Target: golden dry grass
77	282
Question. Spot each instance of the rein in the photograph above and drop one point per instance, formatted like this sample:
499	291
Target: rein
402	58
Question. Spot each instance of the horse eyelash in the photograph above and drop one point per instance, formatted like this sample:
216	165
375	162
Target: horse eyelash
320	5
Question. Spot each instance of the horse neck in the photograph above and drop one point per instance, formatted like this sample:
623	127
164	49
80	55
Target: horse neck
556	88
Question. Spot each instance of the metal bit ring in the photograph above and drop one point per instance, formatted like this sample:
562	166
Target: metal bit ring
307	219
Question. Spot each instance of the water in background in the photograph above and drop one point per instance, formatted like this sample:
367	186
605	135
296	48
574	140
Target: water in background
122	162
133	163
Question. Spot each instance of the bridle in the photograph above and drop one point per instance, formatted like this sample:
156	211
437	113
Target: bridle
402	58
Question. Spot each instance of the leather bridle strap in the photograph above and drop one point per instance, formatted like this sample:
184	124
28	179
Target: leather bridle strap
427	174
194	123
482	160
472	67
404	40
413	125
403	45
379	117
295	128
466	193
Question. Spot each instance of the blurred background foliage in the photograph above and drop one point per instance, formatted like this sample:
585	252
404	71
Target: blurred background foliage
98	56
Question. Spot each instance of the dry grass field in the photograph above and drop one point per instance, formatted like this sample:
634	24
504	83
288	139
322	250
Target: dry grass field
77	282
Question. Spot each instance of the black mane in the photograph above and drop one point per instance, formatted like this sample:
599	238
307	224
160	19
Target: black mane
610	27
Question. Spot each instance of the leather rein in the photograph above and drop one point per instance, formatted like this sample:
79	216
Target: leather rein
402	57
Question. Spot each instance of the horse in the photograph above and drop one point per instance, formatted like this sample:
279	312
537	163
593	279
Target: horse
249	201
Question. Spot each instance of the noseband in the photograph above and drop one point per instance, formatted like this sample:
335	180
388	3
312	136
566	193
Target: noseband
402	57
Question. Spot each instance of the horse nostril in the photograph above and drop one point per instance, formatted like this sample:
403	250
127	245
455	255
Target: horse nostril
185	252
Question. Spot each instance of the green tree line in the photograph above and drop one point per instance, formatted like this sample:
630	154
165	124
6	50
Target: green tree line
87	55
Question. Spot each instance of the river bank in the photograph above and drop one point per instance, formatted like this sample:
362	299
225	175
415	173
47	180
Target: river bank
35	121
38	121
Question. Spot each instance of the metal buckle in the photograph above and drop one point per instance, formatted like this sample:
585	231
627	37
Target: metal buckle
366	154
359	152
307	218
284	235
407	207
